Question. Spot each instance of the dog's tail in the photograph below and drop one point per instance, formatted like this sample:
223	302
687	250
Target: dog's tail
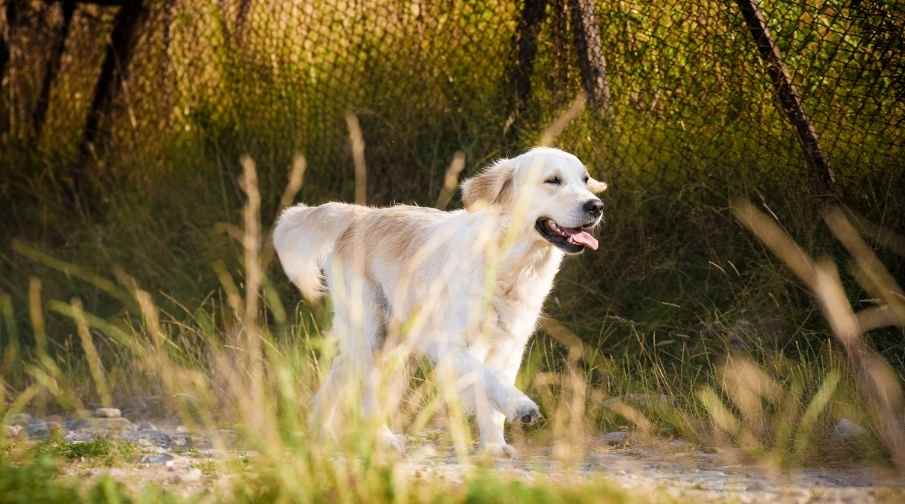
305	236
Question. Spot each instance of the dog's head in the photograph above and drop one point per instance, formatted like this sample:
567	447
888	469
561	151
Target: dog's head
548	190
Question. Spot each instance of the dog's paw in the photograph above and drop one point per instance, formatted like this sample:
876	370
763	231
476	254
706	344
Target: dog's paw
526	413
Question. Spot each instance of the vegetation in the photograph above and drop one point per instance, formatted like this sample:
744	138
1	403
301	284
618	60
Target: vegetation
142	288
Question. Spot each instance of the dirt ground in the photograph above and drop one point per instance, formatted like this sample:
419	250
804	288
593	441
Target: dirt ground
188	463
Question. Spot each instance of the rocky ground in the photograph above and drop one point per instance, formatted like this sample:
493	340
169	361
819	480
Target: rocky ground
167	454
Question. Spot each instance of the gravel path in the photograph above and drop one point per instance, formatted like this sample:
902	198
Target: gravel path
681	470
176	459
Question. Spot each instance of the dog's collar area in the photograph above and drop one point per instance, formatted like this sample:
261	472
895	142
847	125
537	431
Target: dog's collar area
570	240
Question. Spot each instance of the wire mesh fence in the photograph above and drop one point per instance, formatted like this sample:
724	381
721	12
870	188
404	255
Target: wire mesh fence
682	88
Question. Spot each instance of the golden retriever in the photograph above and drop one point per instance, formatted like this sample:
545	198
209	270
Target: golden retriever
464	288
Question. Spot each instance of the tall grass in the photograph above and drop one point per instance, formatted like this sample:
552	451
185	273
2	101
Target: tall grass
241	354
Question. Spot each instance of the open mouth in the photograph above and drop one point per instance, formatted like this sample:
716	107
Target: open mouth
571	240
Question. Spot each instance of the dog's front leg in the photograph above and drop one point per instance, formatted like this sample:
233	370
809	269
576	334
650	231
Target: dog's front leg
504	360
478	385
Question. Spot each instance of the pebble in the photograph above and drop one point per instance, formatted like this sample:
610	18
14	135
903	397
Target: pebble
38	429
616	438
108	413
189	476
157	458
75	436
181	440
845	431
105	424
148	437
13	431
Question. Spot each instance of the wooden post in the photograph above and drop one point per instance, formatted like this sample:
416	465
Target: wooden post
522	66
114	71
787	97
53	67
12	16
241	19
591	62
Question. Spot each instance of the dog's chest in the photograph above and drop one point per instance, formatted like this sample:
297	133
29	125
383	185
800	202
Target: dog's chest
520	294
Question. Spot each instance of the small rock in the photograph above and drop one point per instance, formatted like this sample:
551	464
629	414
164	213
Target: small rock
157	458
13	431
178	464
38	430
105	424
616	438
191	475
77	436
108	413
845	430
147	437
181	441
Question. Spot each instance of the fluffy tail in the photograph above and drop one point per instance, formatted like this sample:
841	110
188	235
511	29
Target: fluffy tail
305	236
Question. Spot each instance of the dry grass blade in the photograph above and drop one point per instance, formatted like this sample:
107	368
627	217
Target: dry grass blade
36	314
880	235
877	382
358	156
777	240
552	132
95	366
251	244
296	180
876	279
451	180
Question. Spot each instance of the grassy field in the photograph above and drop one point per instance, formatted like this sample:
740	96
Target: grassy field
683	325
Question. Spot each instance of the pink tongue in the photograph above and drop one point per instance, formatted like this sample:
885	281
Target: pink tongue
585	239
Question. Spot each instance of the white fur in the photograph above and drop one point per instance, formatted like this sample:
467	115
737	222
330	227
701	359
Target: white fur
465	288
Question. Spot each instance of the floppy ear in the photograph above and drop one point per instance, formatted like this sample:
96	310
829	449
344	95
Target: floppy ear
493	186
596	186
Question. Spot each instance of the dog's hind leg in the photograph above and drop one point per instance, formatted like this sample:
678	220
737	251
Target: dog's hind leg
358	323
322	418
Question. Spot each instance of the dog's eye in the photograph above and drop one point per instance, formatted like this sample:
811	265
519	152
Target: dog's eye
586	179
554	181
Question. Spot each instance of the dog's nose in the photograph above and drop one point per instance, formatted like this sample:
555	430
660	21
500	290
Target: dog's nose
593	207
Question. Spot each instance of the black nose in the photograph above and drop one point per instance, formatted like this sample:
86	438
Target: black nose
593	207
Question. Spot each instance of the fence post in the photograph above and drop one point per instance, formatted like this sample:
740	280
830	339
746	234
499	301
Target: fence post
114	71
53	67
519	73
591	61
241	18
787	96
6	37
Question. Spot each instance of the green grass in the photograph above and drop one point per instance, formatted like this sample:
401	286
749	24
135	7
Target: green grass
101	451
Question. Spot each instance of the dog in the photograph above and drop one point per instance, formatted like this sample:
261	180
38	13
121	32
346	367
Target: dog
464	288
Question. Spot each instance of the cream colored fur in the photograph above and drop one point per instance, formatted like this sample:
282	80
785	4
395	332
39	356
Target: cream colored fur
464	288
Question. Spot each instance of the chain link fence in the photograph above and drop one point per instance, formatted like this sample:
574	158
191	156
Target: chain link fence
682	87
